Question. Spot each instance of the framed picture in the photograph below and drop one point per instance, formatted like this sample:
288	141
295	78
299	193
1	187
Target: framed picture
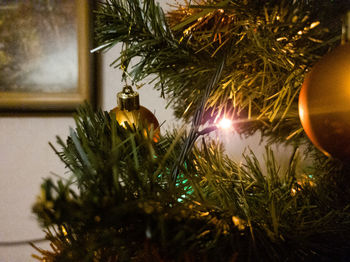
45	59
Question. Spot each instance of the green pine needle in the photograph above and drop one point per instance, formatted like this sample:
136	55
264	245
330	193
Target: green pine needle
119	202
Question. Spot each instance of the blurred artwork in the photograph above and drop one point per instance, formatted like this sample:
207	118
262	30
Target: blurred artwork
38	46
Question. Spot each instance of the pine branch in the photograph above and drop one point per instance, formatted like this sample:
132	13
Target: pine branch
120	203
219	210
273	45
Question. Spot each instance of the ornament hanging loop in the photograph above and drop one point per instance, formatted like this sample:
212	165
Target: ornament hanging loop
346	28
124	63
128	89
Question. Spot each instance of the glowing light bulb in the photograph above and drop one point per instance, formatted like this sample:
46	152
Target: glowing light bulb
225	123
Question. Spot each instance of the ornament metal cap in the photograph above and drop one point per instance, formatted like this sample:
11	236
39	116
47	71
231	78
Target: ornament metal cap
128	99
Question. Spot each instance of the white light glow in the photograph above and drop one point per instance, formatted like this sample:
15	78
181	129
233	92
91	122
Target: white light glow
225	123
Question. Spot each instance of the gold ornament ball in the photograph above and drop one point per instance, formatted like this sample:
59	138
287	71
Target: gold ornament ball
141	117
130	111
324	104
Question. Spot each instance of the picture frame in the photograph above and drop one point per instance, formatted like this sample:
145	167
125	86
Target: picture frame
79	81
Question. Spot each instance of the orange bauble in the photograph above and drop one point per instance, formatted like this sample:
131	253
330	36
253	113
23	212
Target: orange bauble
324	104
130	111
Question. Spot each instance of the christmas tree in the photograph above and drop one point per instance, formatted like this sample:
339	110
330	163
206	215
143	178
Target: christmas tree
132	195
